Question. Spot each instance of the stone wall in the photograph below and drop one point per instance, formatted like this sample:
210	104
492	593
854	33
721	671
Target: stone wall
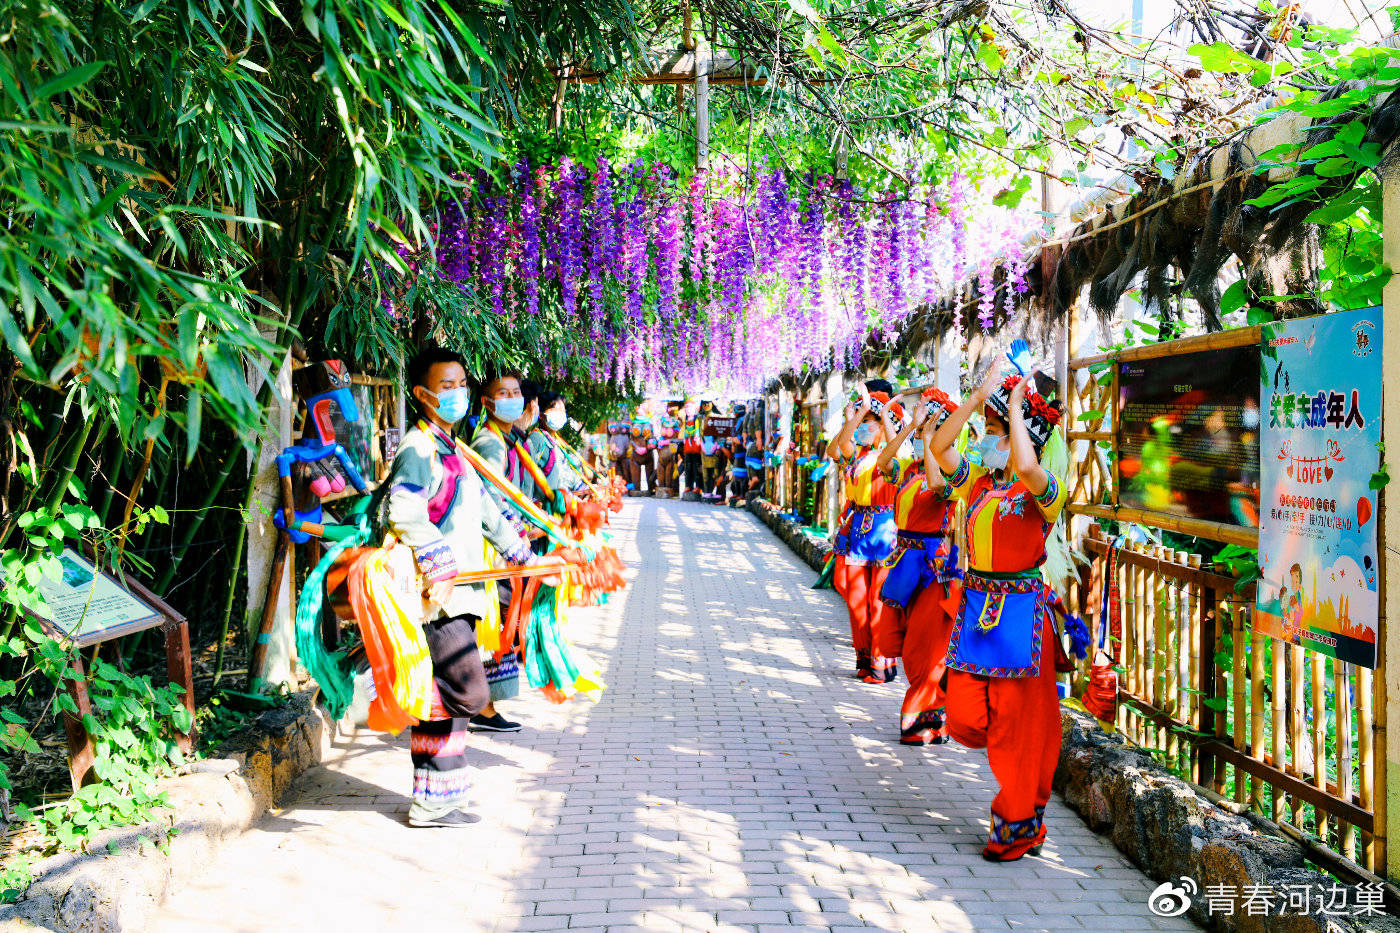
124	875
814	551
1170	830
1164	825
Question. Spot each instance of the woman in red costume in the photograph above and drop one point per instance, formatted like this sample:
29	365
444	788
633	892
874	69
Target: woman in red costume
921	591
867	533
1001	657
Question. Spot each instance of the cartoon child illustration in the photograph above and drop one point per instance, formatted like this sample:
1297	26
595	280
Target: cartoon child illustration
1293	606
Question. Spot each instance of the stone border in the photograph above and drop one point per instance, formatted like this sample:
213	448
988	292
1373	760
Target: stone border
215	800
1164	825
815	551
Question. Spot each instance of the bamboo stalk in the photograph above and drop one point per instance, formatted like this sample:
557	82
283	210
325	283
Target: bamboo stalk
1160	622
1319	734
1342	705
141	472
238	541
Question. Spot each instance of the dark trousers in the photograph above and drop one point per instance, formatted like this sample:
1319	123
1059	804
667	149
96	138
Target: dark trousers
457	668
441	773
692	473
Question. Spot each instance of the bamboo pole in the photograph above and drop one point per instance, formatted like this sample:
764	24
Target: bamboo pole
1144	623
1160	635
1127	643
1366	764
1171	659
1191	619
1219	340
1198	528
1221	688
1295	724
1239	715
1280	723
1319	734
1258	711
1342	706
1133	660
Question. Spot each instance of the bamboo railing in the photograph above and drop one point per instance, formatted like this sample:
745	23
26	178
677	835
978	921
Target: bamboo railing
1254	719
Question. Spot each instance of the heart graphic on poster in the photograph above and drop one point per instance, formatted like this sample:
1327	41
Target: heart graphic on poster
1327	471
1289	470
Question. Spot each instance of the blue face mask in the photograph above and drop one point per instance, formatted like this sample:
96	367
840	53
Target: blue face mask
919	448
993	457
865	434
509	409
555	419
453	404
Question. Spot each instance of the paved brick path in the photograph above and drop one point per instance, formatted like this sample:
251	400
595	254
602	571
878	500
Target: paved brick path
733	777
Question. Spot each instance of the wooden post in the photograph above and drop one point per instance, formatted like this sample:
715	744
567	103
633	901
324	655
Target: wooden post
702	102
80	753
1387	693
178	669
687	44
258	656
263	535
556	112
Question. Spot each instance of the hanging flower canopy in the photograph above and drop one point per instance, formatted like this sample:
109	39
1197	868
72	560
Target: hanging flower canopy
722	279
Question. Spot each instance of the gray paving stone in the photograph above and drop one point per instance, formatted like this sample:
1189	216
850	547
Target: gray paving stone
732	777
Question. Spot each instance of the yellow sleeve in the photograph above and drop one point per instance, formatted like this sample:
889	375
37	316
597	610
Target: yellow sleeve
1053	499
860	480
900	469
961	480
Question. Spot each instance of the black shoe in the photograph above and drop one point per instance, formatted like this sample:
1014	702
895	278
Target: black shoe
453	819
494	723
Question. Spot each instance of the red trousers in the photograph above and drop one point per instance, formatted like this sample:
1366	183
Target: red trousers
926	625
874	631
1017	720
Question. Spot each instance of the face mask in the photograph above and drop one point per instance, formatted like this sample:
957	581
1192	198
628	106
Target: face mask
509	409
534	420
993	457
452	403
919	448
865	435
555	419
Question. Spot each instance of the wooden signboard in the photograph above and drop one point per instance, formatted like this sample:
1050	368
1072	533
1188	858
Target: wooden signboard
85	606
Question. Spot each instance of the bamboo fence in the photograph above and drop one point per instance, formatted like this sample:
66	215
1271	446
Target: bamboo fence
1288	733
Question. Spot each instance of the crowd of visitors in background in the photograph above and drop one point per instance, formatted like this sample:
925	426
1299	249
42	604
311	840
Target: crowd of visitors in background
697	450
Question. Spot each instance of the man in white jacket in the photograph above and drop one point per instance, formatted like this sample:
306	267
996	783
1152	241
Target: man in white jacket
440	508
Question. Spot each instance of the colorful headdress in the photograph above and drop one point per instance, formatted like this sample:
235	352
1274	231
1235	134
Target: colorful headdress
1040	416
879	401
941	405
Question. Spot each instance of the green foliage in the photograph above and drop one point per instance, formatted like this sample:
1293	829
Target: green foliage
1334	178
131	724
